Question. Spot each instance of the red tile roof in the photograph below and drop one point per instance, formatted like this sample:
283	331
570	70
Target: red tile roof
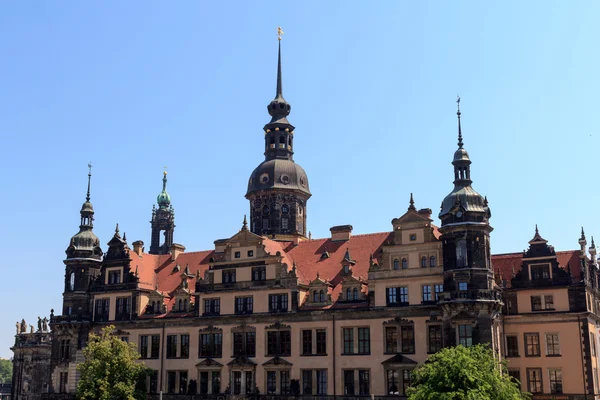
505	264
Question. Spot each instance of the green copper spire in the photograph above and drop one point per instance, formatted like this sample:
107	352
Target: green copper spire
163	199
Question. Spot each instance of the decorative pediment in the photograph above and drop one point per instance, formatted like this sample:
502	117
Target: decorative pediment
399	321
277	361
433	319
278	325
398	360
210	329
241	361
243	328
209	362
117	247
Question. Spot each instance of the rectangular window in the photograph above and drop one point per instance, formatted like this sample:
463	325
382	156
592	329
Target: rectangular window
114	277
391	339
64	380
364	341
534	380
244	305
549	302
228	276
540	272
250	253
349	382
184	350
435	338
321	381
465	335
216	381
462	286
259	273
284	382
552	344
144	346
171	346
272	345
426	293
307	381
102	310
403	295
285	339
438	289
555	380
363	382
532	344
154	381
212	306
237	254
183	382
306	342
512	346
284	223
155	349
65	346
271	382
249	382
204	382
250	344
123	310
516	375
348	334
392	382
391	295
536	303
171	381
278	302
321	341
405	380
211	345
407	335
237	382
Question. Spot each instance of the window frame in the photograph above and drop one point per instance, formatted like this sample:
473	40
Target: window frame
534	346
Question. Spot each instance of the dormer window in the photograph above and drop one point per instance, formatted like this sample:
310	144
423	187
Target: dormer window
315	297
348	294
322	296
355	294
541	271
396	264
404	263
114	277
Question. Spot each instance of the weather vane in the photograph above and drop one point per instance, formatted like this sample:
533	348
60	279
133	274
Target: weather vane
458	102
165	170
279	33
90	167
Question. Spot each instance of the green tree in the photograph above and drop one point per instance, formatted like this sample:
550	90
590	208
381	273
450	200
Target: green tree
110	370
464	373
6	368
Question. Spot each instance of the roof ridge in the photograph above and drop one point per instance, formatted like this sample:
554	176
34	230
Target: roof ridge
360	234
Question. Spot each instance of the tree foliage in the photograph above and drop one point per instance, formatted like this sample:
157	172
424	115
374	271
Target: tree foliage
464	373
6	369
110	370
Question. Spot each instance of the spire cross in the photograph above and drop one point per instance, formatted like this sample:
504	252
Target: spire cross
87	198
460	141
280	33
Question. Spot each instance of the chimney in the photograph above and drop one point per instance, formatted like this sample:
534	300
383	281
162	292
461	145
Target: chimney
341	233
220	245
138	246
426	212
176	250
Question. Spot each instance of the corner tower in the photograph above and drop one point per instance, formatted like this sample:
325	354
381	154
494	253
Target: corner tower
278	188
163	221
83	262
471	301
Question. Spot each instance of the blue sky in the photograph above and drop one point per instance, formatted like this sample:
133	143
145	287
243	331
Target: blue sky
134	86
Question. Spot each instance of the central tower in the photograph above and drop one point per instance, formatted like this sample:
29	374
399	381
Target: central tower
278	187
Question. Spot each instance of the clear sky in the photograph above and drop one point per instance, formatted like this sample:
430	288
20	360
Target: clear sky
134	86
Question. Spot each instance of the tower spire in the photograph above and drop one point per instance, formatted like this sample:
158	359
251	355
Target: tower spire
411	206
460	140
279	87
87	198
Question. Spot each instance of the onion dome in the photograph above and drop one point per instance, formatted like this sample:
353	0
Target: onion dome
163	199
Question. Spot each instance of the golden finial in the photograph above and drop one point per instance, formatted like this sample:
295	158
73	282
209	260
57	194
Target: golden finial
165	171
279	33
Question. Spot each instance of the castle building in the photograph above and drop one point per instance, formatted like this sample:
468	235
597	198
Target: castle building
272	311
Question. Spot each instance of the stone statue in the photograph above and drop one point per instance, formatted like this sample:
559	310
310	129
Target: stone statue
45	325
31	329
18	327
23	326
39	324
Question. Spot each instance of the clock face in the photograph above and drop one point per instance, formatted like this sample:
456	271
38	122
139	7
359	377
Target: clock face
459	214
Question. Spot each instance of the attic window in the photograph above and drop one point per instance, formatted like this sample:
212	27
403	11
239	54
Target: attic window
413	237
177	268
346	268
238	254
325	255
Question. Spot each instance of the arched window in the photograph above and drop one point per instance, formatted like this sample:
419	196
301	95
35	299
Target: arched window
281	141
322	296
185	305
316	296
355	293
290	140
461	253
432	261
72	281
153	307
348	294
180	305
396	264
404	263
423	261
272	141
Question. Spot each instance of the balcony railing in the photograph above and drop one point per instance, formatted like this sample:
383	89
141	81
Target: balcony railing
473	294
57	319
